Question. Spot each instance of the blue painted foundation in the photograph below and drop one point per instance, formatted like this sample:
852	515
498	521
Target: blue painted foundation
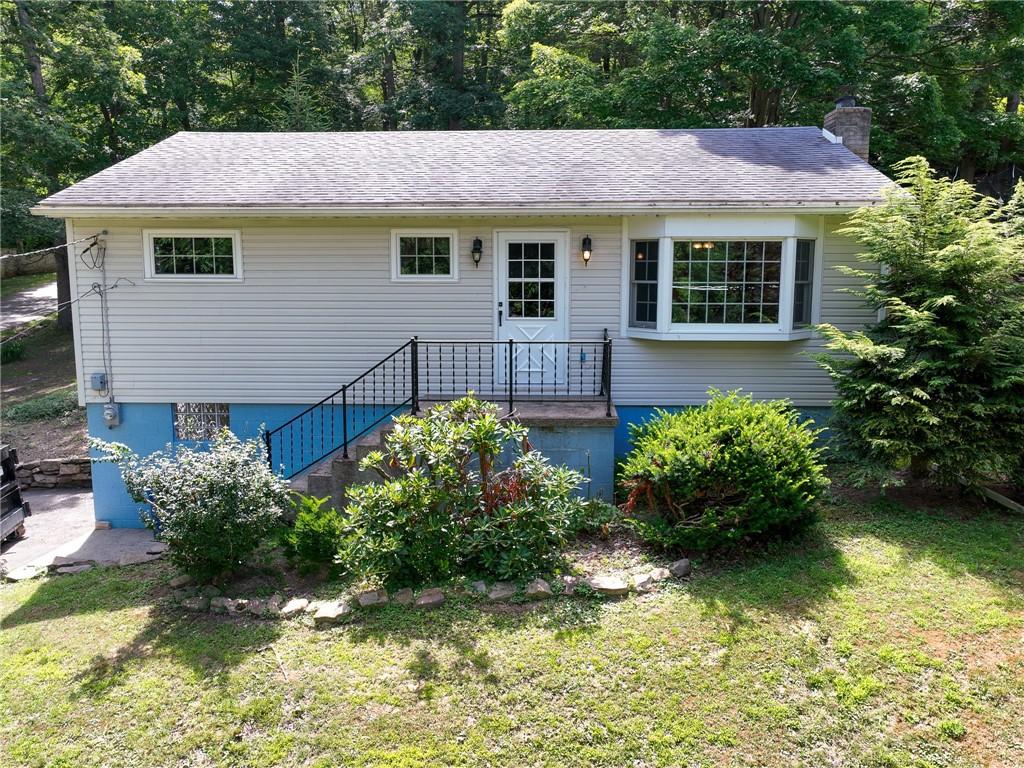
149	427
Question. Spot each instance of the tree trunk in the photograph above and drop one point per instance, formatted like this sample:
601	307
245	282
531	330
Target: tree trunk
388	88
35	67
63	283
35	64
458	62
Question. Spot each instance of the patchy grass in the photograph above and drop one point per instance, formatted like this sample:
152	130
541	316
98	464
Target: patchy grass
42	382
19	283
889	636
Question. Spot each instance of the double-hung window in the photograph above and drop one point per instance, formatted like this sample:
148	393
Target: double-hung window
643	286
746	288
193	255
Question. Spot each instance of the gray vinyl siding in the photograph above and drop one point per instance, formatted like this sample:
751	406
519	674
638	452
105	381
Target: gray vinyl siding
317	306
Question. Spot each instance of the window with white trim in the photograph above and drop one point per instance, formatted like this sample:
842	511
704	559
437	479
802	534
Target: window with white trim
200	421
726	281
643	284
424	254
747	288
193	255
803	283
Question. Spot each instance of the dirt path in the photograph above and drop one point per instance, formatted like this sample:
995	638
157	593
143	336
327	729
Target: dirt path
28	306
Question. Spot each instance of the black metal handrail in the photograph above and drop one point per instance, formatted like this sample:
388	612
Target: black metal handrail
504	371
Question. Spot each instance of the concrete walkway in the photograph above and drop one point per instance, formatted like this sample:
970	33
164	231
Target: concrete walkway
28	306
62	525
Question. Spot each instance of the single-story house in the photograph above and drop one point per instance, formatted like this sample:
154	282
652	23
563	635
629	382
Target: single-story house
316	283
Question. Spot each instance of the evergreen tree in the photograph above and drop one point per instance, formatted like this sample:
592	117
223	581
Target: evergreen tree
300	108
937	384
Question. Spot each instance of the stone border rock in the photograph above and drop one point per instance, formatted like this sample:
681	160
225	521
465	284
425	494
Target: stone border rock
55	473
329	613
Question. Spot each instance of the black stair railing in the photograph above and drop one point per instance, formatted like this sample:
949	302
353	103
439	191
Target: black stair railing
423	371
345	415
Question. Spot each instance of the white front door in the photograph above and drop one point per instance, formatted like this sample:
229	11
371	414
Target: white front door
533	306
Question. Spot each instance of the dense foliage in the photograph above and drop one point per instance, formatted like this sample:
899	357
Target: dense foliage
445	506
86	84
213	506
939	380
720	473
316	533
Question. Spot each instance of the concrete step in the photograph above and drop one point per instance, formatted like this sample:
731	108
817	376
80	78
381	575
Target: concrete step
335	473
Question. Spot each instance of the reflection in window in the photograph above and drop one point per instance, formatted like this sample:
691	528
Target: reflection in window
424	255
803	282
733	282
643	285
193	256
531	280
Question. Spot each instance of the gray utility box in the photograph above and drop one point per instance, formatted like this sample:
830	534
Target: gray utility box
13	510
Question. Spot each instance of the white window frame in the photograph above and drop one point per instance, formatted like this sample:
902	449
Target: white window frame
783	330
148	235
396	272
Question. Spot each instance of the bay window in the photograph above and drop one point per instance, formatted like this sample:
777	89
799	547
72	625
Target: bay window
715	288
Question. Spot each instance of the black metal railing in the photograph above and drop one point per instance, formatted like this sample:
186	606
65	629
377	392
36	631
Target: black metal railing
421	371
345	415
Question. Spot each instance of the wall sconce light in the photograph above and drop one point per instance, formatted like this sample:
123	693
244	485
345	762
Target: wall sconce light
588	250
478	250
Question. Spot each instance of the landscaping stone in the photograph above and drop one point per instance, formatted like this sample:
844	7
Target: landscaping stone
238	606
61	562
208	590
181	594
404	596
24	573
430	598
256	607
642	582
196	603
330	613
372	597
501	592
49	465
569	584
608	585
681	568
221	604
273	607
480	587
660	574
67	570
312	606
538	589
156	548
181	580
294	607
137	558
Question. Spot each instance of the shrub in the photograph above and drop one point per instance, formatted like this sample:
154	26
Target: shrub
11	351
49	406
938	381
213	507
317	533
444	507
722	472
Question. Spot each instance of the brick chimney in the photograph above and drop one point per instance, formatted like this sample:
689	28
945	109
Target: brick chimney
852	124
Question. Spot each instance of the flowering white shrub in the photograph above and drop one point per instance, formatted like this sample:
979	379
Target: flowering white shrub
212	506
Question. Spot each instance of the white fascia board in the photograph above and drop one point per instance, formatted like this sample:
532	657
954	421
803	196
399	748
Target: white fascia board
122	212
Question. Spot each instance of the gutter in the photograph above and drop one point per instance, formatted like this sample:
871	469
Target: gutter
600	209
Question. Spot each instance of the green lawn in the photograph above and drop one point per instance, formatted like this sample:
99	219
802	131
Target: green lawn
887	637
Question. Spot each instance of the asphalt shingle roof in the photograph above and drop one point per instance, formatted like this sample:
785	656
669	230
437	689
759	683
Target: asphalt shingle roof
483	169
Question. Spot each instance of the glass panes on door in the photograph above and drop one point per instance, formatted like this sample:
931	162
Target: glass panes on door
531	280
726	281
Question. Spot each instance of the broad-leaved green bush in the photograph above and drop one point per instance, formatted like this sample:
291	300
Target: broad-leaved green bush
720	473
212	506
461	491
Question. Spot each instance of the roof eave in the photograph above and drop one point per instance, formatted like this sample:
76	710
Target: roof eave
570	209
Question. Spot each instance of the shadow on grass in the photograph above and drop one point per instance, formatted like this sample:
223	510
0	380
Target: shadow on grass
960	534
791	577
210	646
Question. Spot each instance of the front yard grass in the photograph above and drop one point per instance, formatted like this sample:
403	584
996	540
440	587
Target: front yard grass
890	635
